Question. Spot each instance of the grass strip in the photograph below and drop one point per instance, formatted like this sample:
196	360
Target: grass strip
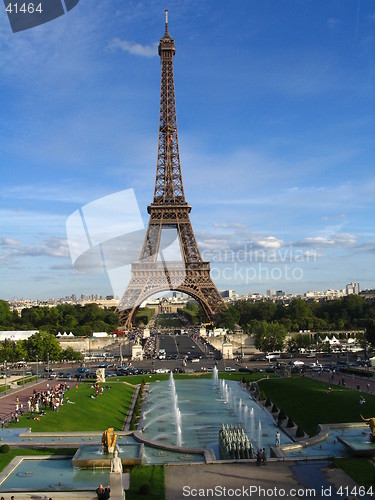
147	481
85	413
6	458
310	402
361	470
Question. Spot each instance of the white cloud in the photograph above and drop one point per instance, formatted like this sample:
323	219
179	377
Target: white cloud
335	240
50	247
135	49
8	241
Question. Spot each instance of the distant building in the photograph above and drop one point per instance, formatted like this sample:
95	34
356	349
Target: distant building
352	288
99	335
271	293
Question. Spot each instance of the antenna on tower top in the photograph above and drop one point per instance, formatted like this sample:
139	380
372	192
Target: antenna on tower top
166	20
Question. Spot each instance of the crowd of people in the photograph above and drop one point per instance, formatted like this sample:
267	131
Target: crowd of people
38	402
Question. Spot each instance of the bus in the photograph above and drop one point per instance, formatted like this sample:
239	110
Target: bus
270	356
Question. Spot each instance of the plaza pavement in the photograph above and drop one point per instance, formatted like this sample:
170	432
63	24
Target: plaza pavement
277	479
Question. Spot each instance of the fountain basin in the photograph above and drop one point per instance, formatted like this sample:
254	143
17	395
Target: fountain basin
90	457
36	474
358	446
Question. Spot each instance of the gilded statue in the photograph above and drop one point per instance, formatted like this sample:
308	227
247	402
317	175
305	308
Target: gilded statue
371	423
109	440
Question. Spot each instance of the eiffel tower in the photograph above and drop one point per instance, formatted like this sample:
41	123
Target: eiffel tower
153	273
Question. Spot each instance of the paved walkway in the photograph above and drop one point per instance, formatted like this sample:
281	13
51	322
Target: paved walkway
241	481
350	380
7	401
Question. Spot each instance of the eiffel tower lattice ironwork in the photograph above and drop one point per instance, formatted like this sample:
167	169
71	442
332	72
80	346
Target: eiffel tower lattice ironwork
153	272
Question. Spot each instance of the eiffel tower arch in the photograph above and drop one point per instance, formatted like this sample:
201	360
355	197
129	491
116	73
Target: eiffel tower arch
154	272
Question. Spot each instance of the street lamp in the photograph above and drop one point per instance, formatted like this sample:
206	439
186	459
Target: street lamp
23	372
6	376
48	364
37	368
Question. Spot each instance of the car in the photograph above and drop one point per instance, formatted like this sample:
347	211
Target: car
52	375
245	369
82	370
229	369
46	369
68	375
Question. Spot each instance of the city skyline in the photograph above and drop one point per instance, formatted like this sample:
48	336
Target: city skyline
275	119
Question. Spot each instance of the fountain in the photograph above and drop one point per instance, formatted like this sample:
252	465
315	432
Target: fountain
252	425
215	376
260	435
177	413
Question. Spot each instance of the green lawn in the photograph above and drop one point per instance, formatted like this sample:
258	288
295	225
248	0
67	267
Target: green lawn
86	414
361	470
149	477
6	458
107	410
309	402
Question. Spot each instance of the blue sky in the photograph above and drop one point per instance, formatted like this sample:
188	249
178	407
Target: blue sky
275	110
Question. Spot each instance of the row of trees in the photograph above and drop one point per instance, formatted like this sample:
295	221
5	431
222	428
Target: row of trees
349	312
81	320
42	346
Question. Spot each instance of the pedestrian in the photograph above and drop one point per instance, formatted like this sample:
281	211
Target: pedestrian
259	457
264	457
277	439
100	491
368	387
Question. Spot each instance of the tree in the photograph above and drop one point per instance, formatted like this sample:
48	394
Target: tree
44	345
227	318
71	355
370	332
6	315
270	336
298	341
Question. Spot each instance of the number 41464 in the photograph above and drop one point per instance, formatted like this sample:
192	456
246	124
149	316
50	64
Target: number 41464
24	8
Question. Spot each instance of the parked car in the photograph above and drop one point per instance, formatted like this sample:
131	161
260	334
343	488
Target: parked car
82	370
229	369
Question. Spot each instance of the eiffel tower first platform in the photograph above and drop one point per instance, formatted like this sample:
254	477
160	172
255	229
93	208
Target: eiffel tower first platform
154	272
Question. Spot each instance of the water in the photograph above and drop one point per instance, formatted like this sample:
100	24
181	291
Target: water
53	475
203	408
260	441
215	376
177	412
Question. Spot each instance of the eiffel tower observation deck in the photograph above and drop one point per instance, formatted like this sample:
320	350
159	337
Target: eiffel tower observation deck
170	258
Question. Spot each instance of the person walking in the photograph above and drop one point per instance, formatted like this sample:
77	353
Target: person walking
264	457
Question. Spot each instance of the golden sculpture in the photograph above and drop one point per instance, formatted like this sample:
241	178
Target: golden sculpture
109	440
371	423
